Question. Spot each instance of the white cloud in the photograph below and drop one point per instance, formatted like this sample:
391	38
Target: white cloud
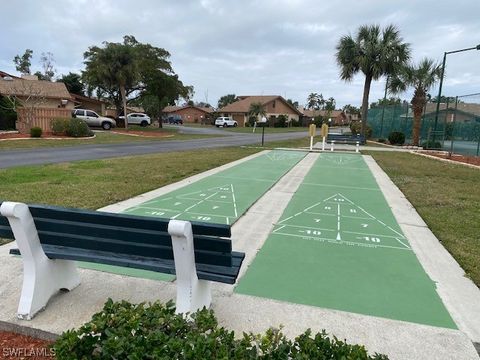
249	46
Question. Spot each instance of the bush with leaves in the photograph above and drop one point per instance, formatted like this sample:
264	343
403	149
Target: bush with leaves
127	331
396	138
60	125
281	121
436	145
78	128
36	132
356	128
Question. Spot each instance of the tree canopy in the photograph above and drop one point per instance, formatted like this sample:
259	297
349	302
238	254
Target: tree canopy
133	71
73	82
23	63
227	99
373	51
421	77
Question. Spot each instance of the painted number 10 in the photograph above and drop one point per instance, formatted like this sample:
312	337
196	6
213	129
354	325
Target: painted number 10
372	239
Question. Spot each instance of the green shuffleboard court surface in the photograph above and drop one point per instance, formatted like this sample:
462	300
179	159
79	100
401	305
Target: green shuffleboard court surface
338	246
221	198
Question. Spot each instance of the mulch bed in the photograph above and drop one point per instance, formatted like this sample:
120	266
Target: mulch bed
473	160
14	136
143	133
16	346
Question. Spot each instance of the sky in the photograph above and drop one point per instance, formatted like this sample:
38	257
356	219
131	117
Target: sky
247	47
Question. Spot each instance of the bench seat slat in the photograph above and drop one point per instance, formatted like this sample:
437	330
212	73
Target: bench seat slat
205	272
134	235
128	247
6	232
134	221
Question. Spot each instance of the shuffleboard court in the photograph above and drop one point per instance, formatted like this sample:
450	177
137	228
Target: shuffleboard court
338	246
223	197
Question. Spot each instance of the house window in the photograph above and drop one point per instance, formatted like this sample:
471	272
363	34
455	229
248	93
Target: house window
273	104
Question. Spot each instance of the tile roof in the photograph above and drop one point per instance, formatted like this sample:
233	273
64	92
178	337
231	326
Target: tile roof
244	102
171	109
37	88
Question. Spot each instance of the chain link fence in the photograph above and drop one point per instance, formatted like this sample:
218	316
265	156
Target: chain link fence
456	129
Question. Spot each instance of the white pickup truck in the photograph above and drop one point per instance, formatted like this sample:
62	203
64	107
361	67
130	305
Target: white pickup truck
225	121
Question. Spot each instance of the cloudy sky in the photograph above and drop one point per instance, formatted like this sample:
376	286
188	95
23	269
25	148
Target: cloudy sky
247	47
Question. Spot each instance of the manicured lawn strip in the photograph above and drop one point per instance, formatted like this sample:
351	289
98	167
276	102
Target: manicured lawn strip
447	197
96	183
268	130
100	138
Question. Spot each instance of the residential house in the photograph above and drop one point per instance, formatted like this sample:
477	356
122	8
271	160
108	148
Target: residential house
274	106
190	113
84	102
37	102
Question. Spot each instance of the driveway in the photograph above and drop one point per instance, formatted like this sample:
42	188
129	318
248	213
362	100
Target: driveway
38	156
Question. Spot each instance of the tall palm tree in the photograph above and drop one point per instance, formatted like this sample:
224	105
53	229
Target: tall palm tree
375	52
315	101
421	77
257	109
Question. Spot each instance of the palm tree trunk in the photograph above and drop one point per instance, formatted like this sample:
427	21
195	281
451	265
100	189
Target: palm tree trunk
124	100
417	119
366	94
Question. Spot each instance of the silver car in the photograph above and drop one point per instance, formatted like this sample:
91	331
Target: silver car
137	119
93	119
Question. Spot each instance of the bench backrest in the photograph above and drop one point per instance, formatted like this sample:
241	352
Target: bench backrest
120	233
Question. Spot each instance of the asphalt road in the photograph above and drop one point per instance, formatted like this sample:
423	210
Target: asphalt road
38	156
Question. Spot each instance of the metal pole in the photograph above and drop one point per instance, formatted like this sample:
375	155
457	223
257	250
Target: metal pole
439	95
453	125
383	111
263	133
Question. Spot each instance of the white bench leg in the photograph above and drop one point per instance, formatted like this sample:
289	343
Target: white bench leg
42	277
192	294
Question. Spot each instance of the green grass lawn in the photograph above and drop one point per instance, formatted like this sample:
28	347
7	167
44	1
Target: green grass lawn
268	130
102	137
447	197
96	183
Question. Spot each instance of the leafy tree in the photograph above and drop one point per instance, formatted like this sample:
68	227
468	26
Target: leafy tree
203	104
421	77
315	101
23	63
373	51
443	99
256	110
73	83
135	71
386	102
47	62
226	99
293	103
350	109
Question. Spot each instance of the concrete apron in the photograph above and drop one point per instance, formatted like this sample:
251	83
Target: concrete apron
398	339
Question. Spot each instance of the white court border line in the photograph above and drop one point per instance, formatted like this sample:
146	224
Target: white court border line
399	237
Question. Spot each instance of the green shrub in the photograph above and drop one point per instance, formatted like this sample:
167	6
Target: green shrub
396	138
60	125
295	123
36	132
78	128
356	128
127	331
383	141
432	145
280	121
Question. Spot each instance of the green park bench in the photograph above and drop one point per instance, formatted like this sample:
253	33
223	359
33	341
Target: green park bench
345	139
50	239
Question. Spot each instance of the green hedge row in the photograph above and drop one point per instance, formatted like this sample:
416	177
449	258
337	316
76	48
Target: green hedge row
127	331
